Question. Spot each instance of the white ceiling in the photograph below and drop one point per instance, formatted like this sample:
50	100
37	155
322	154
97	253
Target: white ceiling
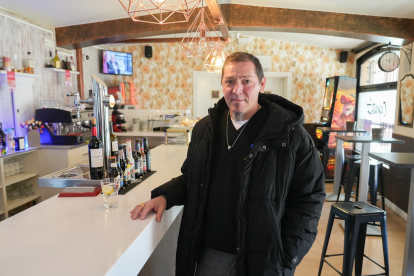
74	12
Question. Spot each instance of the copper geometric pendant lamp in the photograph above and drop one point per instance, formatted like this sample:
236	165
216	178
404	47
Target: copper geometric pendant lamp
160	11
199	41
215	60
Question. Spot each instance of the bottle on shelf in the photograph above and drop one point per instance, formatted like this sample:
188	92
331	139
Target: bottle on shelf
95	154
56	61
147	152
114	140
144	159
127	172
113	173
122	166
67	64
137	164
29	64
140	157
130	158
51	63
2	141
72	64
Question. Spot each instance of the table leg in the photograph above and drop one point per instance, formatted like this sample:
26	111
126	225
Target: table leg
364	173
408	266
339	162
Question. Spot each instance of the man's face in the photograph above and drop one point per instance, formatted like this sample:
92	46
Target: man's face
241	87
113	58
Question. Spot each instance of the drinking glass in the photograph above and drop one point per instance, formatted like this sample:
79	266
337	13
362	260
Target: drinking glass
110	192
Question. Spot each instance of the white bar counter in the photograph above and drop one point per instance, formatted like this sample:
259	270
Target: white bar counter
78	236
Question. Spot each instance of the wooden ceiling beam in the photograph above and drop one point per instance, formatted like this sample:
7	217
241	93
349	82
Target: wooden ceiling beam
218	17
155	40
247	18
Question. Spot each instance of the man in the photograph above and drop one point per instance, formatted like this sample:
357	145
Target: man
252	185
112	65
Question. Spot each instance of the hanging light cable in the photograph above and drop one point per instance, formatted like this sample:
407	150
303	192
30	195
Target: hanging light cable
160	11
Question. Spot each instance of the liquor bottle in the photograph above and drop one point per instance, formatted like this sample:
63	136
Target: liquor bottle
113	173
51	63
29	64
121	163
72	64
56	61
127	172
114	140
95	154
137	165
144	159
147	152
130	158
67	64
141	161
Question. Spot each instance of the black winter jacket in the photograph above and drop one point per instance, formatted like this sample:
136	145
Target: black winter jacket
280	199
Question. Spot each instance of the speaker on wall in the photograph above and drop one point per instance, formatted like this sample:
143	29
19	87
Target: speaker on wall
148	51
343	56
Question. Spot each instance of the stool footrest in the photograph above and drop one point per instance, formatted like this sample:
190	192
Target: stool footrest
374	262
340	273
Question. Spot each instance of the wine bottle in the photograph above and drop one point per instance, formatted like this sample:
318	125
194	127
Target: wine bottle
130	159
136	164
144	159
147	152
141	159
56	61
113	173
51	63
114	140
72	64
96	168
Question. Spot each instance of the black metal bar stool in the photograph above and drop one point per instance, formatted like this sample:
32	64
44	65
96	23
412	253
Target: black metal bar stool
357	215
376	177
346	170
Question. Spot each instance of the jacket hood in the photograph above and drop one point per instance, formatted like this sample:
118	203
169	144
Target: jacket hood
283	114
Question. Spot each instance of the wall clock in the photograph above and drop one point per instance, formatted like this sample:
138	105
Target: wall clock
388	62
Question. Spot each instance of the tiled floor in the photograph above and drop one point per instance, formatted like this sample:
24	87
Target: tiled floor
373	246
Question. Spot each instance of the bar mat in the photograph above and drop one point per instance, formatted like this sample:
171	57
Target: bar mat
136	183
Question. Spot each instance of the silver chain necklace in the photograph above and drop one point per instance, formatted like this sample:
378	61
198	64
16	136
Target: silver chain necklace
227	133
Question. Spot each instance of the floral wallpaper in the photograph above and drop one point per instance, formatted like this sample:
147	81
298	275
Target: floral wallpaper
165	80
406	96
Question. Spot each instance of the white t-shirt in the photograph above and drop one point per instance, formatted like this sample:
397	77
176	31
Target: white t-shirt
238	124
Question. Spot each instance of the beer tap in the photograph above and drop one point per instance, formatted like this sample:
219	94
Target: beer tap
100	101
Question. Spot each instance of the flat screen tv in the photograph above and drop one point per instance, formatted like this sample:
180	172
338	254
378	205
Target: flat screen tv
116	63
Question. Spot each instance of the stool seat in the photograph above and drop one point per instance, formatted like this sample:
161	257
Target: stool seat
357	215
357	208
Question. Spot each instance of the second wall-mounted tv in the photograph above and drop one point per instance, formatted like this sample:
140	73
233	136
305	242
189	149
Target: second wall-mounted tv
116	63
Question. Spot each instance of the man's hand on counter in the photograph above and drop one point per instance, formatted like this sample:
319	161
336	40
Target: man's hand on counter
157	204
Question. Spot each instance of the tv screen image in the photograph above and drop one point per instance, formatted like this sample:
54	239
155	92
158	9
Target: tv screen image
116	63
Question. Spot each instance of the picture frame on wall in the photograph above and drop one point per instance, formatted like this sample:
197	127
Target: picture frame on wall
406	102
267	92
215	94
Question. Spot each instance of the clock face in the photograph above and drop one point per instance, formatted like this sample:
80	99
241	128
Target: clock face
388	62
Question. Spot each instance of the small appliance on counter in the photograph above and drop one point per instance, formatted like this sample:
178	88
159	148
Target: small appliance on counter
68	129
118	118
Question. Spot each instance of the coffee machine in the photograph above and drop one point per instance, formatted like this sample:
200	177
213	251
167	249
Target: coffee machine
118	118
69	127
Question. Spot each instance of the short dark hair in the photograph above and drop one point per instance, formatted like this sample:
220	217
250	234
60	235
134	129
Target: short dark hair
244	57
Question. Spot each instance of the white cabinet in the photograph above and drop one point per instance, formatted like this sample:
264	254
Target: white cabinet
28	177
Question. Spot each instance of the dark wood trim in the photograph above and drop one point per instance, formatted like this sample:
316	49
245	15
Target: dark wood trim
218	17
248	18
79	65
155	40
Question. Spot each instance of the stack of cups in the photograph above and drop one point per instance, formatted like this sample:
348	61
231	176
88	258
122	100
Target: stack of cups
144	125
135	125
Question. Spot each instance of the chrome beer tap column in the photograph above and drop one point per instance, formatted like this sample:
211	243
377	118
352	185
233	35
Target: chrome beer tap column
101	101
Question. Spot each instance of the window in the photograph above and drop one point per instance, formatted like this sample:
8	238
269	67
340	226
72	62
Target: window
377	94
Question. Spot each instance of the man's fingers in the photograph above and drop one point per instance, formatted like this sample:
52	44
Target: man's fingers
160	212
137	210
145	211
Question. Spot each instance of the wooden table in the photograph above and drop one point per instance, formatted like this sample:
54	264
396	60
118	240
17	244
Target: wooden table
403	160
364	171
333	196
